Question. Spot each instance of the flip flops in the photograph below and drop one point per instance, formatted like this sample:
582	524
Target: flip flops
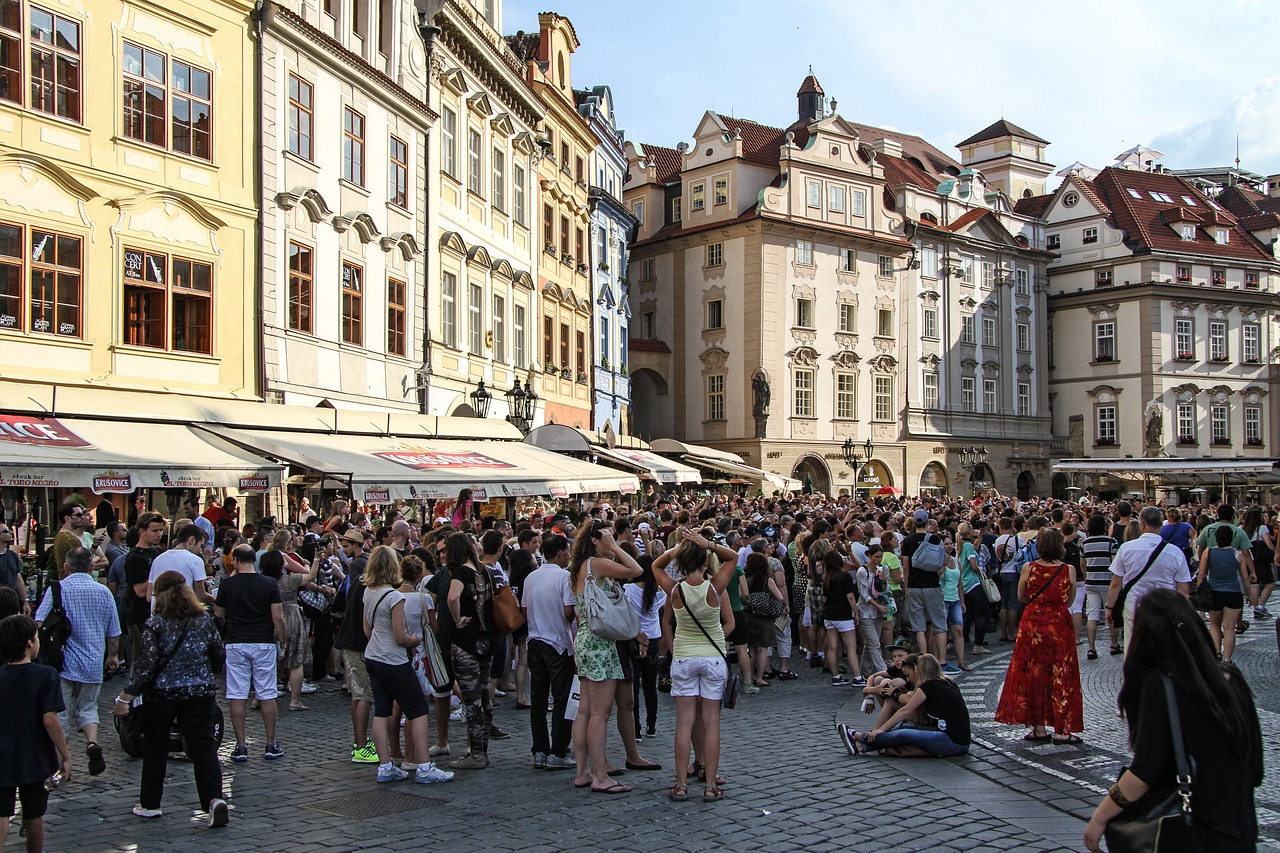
1032	737
615	788
1071	740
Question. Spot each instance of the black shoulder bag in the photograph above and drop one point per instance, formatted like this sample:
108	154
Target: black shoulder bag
728	699
129	727
1118	607
1170	826
55	630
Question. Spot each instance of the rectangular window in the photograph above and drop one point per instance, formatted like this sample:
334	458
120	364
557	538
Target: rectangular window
475	161
814	189
192	99
848	317
715	397
1251	343
886	266
804	313
1102	278
931	389
988	274
804	253
803	394
396	312
1222	236
639	212
989	331
1105	426
565	363
1023	278
300	293
604	349
449	142
1217	340
721	190
549	228
677	205
930	323
1089	235
715	314
517	335
966	270
449	309
54	43
884	322
646	269
929	262
967	394
1253	426
989	396
564	157
845	396
499	179
1188	232
835	198
47	274
499	329
883	387
1104	341
1219	425
859	203
648	325
580	247
11	52
299	116
966	329
168	302
1186	423
1053	242
564	237
1251	281
475	319
1024	399
715	254
848	260
398	178
156	88
548	341
698	196
1024	337
1184	346
517	194
1218	277
352	304
580	350
1184	274
353	146
580	170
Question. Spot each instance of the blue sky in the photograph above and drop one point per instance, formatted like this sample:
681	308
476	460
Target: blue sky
1094	78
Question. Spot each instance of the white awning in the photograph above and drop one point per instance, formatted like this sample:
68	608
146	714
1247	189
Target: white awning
1164	466
657	467
385	468
728	463
121	456
627	450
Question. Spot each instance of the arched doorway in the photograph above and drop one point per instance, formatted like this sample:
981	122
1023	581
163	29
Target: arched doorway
652	415
873	477
1059	486
810	470
1026	485
933	480
463	410
982	477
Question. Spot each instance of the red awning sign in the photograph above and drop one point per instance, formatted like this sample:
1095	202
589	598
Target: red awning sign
43	432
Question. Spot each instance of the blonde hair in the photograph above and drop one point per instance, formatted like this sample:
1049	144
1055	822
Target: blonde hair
965	531
383	568
926	667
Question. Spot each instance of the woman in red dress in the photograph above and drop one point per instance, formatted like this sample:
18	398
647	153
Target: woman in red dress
1042	688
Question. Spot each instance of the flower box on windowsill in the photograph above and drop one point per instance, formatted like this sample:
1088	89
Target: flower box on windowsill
567	260
549	249
566	374
1253	359
582	379
1221	442
582	269
602	266
1103	359
1187	439
1183	279
1185	356
622	368
1106	442
1253	442
1219	359
1218	282
550	368
604	364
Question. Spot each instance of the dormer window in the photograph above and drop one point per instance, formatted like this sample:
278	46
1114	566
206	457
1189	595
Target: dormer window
1218	277
698	195
1184	273
814	190
1090	235
721	190
1188	232
1053	242
1222	236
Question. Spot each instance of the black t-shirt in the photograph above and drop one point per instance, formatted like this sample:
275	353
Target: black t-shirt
943	702
476	585
892	672
137	569
1117	530
27	692
10	569
438	586
247	598
1072	557
917	579
838	608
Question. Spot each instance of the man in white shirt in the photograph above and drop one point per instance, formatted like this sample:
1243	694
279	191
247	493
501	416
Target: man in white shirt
186	557
548	604
1168	571
191	508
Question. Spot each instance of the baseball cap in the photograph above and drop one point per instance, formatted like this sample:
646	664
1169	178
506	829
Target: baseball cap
921	516
644	525
770	531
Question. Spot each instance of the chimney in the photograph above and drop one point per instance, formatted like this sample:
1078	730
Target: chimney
888	147
810	99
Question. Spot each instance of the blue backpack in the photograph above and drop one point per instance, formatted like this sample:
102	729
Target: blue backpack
1026	554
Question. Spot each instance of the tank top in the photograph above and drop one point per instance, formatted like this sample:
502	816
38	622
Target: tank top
689	641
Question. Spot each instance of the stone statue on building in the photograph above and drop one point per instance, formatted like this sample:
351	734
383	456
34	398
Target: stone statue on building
760	389
1154	418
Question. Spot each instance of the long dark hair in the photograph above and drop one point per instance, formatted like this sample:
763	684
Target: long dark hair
833	565
1252	520
1170	637
459	551
757	571
647	582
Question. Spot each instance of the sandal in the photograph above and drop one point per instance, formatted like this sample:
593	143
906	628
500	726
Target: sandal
1116	650
678	793
1092	654
615	788
1032	737
711	794
1070	740
299	707
702	775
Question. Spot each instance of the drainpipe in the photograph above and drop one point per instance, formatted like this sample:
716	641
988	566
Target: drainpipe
259	285
429	33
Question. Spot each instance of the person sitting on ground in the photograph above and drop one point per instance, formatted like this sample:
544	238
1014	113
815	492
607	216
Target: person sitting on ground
939	698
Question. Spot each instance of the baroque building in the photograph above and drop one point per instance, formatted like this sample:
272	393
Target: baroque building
344	138
794	289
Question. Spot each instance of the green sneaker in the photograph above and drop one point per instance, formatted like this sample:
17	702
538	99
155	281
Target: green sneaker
366	754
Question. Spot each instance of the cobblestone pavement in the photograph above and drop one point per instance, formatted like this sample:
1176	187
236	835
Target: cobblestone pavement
791	785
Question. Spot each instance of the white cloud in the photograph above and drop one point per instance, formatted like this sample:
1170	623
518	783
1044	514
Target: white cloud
1253	116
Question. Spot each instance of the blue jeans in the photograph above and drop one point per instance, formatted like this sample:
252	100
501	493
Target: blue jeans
931	741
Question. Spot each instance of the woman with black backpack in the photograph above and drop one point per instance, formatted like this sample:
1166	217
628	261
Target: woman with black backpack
764	604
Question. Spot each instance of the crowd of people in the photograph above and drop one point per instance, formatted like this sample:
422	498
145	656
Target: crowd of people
436	611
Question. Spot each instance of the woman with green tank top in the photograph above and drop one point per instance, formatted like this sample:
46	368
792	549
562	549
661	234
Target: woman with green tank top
698	667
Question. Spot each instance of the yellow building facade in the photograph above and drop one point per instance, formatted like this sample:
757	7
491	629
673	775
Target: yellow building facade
127	211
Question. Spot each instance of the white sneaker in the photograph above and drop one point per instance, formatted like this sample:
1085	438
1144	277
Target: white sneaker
428	773
147	813
308	687
751	688
457	715
391	774
218	815
437	751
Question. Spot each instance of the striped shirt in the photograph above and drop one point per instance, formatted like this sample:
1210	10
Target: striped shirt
1098	552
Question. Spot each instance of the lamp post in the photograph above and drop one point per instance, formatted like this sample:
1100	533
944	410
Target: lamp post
480	399
853	458
973	459
521	403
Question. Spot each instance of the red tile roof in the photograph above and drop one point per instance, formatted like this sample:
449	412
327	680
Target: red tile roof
899	170
999	129
809	85
1140	218
678	229
760	143
667	161
1034	206
526	46
647	345
967	219
1089	190
1244	202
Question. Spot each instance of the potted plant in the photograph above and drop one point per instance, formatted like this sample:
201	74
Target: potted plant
1186	439
1253	442
582	379
549	367
622	368
604	362
566	373
602	266
566	259
550	249
1186	356
582	269
1106	442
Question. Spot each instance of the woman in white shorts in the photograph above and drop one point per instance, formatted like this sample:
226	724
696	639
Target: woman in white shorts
699	667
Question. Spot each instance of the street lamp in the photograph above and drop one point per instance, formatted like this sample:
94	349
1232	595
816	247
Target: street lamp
480	399
521	402
853	459
973	459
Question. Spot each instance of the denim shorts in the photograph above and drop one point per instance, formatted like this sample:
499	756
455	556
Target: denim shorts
1009	591
955	615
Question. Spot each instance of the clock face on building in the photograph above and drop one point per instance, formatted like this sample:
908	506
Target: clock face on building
1070	199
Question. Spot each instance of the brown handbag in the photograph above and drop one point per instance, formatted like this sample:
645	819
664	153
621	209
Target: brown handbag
507	616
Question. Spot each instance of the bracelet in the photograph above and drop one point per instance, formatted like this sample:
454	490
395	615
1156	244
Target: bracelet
1118	797
120	701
